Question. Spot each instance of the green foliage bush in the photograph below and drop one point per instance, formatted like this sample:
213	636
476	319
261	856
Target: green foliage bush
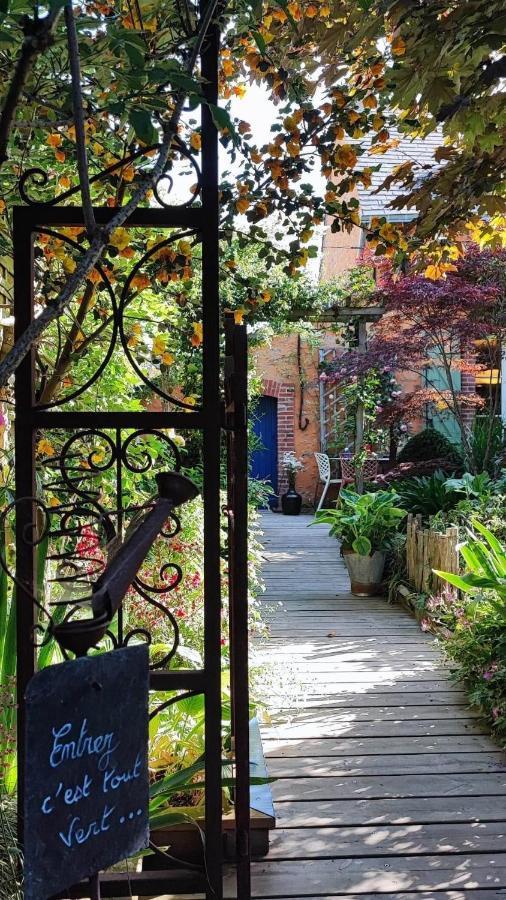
473	637
477	652
427	494
429	444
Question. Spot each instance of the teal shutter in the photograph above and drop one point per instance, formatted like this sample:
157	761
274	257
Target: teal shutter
445	421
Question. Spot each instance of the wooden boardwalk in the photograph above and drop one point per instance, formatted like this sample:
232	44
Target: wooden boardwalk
387	784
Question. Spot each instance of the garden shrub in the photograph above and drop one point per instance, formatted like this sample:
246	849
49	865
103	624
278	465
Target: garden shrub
427	445
473	636
427	494
412	469
477	652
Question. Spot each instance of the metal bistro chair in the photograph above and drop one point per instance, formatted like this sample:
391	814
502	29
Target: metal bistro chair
348	470
323	463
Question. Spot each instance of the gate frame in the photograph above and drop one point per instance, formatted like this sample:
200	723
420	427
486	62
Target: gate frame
210	420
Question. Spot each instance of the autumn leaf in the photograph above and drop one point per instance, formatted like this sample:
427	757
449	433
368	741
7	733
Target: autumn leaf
242	204
45	447
239	314
120	238
198	334
398	46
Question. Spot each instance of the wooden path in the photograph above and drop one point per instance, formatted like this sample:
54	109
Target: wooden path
388	785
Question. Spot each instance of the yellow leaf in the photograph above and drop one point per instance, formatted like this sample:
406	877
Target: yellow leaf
185	248
239	315
167	358
159	343
69	265
44	446
128	173
120	238
198	334
54	140
196	141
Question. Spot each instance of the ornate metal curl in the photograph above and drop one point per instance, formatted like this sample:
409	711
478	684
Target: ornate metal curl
31	541
113	321
123	303
71	478
40	178
116	323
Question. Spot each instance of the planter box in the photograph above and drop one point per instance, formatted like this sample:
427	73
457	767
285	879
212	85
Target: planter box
185	841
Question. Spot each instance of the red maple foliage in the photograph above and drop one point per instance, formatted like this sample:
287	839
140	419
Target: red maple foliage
435	325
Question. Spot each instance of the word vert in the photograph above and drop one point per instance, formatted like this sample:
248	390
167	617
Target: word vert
69	744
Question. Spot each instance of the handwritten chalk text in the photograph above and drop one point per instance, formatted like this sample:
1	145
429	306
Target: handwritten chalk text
101	745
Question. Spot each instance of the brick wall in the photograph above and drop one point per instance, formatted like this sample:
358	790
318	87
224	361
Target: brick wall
276	363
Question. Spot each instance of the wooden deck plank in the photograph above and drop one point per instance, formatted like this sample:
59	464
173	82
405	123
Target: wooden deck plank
392	811
408	764
386	840
386	875
348	746
388	785
379	787
381	700
419	712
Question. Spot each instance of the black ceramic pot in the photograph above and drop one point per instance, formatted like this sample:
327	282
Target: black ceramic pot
291	502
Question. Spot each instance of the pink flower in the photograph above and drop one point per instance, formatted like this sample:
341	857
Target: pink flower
490	672
323	377
180	613
496	713
3	420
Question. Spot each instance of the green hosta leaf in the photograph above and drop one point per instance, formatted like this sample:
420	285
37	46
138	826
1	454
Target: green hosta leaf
362	546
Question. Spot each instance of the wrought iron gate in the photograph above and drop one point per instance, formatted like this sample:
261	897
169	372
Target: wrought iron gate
131	444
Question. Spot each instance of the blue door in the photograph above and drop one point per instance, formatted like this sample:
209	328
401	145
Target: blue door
264	458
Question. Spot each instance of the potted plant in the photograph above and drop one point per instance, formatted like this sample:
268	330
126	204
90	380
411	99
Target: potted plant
363	523
291	501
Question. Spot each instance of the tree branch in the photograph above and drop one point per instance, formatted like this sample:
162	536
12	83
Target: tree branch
77	106
101	237
39	35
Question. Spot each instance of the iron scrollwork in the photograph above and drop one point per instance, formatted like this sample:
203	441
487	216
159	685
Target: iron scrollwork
86	522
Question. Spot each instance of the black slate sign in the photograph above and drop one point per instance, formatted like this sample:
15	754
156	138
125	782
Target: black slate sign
86	776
